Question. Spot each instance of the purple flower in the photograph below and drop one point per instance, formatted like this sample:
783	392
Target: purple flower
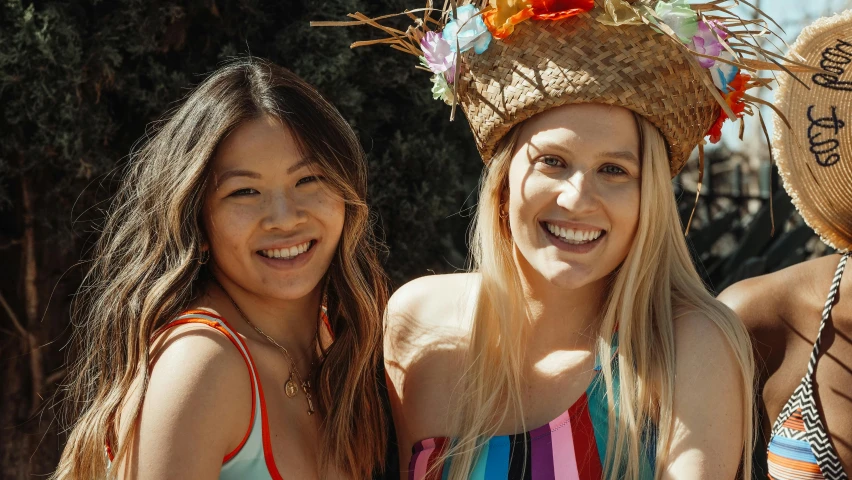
706	42
440	58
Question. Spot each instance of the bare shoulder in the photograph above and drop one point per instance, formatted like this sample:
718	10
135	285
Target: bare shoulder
199	393
426	332
430	309
761	301
709	400
428	299
701	346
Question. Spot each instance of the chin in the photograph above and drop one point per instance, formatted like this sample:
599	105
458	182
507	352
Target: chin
573	277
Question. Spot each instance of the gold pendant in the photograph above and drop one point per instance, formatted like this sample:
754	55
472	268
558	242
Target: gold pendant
290	387
307	389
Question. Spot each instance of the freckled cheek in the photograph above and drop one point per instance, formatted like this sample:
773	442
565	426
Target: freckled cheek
326	206
622	202
230	228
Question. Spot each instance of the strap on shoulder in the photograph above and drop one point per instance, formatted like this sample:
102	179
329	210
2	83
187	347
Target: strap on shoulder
826	312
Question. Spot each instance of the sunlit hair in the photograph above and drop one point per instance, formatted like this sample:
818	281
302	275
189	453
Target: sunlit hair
145	268
656	280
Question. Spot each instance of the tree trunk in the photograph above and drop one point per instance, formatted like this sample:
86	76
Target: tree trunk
31	304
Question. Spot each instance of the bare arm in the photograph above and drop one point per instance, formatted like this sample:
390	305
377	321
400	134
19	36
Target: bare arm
708	404
424	333
195	411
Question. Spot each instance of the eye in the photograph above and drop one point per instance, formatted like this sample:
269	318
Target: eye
550	161
312	178
613	170
243	192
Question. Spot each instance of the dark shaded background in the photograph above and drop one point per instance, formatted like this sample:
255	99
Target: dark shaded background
80	81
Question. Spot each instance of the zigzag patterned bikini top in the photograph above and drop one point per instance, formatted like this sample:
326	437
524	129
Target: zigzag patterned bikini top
800	448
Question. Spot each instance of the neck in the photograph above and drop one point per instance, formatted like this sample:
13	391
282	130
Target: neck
291	323
561	318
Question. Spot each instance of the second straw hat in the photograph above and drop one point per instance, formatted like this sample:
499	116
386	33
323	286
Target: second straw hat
815	153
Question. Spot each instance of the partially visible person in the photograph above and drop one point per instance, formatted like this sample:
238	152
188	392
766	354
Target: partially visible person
230	324
801	317
583	344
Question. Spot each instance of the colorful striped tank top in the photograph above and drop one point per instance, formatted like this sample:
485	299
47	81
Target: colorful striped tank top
571	447
800	448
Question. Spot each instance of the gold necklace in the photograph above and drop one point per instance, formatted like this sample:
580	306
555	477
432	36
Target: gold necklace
290	388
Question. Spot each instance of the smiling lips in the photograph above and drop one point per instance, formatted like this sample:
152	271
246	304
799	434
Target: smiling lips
287	253
574	237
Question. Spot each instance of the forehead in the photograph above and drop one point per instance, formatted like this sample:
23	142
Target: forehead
583	125
258	144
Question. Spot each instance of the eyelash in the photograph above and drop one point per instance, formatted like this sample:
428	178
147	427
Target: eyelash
620	171
607	169
550	157
312	178
243	192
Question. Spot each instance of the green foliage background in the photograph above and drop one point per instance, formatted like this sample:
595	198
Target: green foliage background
82	80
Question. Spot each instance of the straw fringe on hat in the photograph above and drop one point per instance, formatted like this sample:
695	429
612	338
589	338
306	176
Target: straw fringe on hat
548	64
815	154
686	67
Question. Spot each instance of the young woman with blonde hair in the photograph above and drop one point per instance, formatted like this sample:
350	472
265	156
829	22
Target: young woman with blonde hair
204	349
582	344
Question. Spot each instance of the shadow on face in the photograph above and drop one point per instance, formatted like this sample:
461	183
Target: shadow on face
573	193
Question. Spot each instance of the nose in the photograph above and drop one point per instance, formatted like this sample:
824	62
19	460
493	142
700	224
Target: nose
578	193
283	212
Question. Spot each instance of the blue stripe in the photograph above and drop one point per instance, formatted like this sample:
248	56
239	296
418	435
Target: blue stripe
498	458
478	472
793	449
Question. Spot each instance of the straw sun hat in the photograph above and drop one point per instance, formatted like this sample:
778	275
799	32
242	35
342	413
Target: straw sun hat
815	154
685	67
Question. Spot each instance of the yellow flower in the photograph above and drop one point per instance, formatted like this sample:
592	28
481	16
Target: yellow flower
619	12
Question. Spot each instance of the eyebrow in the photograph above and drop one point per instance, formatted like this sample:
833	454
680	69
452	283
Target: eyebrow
625	155
235	173
302	163
228	174
622	155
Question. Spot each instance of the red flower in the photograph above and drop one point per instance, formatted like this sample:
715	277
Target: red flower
501	19
734	98
559	9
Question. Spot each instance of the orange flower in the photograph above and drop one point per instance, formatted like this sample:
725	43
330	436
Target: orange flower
501	20
734	98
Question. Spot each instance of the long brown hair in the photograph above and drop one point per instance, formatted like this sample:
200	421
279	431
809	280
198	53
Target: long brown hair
145	267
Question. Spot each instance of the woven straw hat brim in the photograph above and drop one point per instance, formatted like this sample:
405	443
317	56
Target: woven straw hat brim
815	155
580	60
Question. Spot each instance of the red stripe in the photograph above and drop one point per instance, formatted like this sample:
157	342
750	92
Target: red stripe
249	366
216	326
439	450
267	443
585	447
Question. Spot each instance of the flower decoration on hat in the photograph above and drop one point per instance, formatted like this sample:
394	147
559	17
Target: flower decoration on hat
505	14
715	50
467	30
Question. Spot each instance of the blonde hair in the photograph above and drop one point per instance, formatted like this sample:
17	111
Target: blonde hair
145	269
640	304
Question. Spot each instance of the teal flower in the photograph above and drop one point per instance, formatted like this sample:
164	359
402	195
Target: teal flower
468	30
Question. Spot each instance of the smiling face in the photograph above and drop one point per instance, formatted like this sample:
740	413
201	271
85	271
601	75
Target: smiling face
573	199
272	223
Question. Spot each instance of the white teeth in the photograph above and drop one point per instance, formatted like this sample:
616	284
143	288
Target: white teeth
287	253
575	237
